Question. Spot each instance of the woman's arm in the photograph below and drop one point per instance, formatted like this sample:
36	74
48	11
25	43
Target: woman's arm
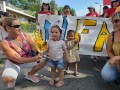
109	46
114	61
15	56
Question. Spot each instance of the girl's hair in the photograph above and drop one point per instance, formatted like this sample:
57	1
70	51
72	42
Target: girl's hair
8	21
42	9
56	26
70	32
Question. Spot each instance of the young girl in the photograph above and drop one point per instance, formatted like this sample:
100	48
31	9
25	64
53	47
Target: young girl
74	56
56	48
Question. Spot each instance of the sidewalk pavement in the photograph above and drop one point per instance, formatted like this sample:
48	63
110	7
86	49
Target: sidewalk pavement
89	78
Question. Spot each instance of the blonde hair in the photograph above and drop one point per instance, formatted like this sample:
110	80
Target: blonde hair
116	15
0	22
8	21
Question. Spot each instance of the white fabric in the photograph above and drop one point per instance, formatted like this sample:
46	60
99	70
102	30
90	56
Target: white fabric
93	30
12	70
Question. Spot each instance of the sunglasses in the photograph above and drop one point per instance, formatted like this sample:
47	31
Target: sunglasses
45	4
15	26
116	21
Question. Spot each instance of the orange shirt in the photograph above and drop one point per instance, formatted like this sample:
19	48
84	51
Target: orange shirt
117	9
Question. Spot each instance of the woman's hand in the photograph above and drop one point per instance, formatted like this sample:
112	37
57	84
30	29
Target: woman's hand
114	60
39	56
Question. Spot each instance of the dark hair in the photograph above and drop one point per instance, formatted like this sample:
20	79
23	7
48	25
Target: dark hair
1	13
56	26
59	13
105	7
113	1
66	6
93	9
42	9
5	14
8	21
70	32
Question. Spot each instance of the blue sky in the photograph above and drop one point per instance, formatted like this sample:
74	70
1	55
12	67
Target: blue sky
80	6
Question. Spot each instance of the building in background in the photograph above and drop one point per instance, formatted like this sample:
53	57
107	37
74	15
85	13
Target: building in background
16	12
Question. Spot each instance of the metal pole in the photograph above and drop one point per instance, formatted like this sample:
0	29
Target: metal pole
100	10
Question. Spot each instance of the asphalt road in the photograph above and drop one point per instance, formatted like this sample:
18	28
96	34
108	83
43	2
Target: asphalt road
89	78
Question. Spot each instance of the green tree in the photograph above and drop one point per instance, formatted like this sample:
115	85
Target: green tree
72	12
52	4
32	5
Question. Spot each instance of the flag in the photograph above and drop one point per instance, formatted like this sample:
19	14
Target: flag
106	2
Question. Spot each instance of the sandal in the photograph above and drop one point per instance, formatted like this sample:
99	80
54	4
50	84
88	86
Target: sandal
65	72
60	84
11	84
32	78
51	82
76	74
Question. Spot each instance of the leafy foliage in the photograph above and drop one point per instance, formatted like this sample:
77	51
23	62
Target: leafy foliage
35	5
28	27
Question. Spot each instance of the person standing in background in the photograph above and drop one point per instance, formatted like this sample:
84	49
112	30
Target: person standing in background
66	10
4	15
3	33
92	12
105	8
46	9
111	11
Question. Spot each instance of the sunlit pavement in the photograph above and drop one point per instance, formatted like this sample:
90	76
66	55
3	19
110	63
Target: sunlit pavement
89	78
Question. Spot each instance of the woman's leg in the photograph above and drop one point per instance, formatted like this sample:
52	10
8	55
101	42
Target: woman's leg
37	67
109	73
31	75
10	73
